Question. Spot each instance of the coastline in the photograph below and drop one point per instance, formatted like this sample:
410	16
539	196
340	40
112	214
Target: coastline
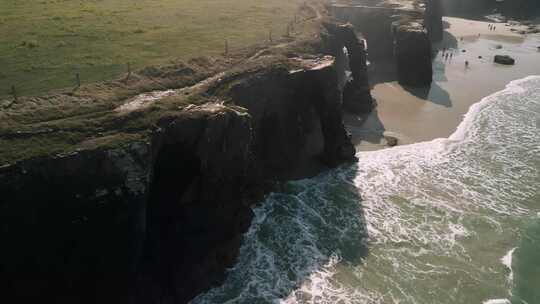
414	115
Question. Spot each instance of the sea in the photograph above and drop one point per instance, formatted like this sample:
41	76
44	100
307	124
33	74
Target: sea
454	220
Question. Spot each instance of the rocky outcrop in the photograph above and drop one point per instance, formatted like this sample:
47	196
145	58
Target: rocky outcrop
433	19
158	218
197	205
149	222
397	31
296	112
138	190
375	24
413	55
356	91
72	227
504	59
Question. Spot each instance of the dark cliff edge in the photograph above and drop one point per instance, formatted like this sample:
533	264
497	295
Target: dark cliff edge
433	19
117	197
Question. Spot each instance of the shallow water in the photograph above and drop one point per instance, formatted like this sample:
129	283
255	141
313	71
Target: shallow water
453	220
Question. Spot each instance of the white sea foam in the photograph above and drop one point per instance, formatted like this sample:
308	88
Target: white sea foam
507	261
421	211
497	301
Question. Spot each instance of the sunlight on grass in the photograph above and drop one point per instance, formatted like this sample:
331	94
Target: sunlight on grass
44	43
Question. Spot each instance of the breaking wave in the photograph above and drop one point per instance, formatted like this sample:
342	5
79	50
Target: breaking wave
422	223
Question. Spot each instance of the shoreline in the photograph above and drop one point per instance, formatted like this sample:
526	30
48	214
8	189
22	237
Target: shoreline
422	114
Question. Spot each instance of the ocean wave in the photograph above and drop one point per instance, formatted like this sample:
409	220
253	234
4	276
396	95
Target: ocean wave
422	223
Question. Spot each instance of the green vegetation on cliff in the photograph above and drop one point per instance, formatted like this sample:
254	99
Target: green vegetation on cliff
125	108
43	44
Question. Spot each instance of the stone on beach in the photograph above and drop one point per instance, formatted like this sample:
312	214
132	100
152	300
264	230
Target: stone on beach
391	141
504	59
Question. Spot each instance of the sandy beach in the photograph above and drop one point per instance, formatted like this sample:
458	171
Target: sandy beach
414	115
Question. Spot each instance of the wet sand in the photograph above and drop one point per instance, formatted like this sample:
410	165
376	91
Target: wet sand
414	115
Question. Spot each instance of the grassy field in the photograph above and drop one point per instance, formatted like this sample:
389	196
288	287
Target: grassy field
43	43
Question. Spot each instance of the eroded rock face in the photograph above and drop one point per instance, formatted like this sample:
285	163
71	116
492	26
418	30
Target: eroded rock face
356	92
375	20
160	219
73	226
197	207
397	31
154	222
433	19
413	55
296	115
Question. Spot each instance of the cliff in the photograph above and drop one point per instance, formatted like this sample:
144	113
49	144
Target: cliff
397	31
356	91
412	49
433	19
138	190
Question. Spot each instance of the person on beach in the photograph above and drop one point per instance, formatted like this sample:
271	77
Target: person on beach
466	64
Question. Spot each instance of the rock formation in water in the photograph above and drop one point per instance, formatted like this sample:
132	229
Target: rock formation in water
144	198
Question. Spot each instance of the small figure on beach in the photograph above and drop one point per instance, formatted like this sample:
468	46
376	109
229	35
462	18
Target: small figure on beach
466	64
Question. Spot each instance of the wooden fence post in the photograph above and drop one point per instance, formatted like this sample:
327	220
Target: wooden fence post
128	71
14	93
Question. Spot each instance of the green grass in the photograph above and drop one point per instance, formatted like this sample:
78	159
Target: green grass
43	43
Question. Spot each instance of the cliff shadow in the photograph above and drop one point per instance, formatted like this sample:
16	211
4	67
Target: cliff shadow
448	41
433	93
446	25
365	128
299	232
386	72
382	71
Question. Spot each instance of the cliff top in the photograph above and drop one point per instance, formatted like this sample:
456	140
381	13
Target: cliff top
124	110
